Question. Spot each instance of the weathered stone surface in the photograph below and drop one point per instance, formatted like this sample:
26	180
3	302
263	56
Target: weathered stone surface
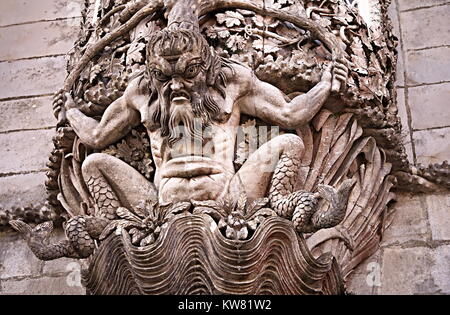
366	278
63	265
410	221
426	28
16	259
38	39
415	4
41	286
22	190
400	74
413	271
432	146
31	77
25	150
430	102
393	15
441	270
15	12
438	207
30	113
406	131
428	66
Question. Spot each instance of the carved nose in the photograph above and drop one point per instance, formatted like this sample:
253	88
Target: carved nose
176	85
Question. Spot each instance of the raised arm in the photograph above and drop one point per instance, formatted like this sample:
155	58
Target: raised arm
268	103
118	119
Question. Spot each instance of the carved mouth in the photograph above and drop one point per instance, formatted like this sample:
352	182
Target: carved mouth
180	97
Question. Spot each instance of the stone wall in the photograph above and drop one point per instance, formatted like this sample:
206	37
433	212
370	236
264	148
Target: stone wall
414	257
36	35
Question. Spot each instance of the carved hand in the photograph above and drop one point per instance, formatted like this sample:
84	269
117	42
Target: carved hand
326	75
62	100
340	72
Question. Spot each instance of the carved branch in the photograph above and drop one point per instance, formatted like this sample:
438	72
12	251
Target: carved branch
327	38
95	49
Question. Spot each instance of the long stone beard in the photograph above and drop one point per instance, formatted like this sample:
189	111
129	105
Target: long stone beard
183	124
187	121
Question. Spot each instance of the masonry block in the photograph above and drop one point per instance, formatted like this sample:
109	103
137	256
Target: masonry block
417	270
410	221
428	66
32	77
30	113
406	131
415	4
432	146
428	106
38	39
438	207
22	190
41	286
426	28
16	259
23	11
25	151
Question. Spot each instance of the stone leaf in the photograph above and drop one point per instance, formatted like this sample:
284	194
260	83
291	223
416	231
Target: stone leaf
266	46
135	53
235	43
230	18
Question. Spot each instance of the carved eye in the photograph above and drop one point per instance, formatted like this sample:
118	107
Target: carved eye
192	71
160	76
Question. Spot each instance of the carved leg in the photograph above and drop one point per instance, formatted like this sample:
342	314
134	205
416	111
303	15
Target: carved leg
81	232
113	183
298	205
257	172
273	170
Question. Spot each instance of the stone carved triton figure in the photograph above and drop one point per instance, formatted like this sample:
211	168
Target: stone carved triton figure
191	100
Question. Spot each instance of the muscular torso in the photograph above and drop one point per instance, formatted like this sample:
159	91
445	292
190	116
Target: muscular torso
190	169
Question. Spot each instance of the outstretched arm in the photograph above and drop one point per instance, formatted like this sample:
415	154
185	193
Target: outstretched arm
268	103
118	119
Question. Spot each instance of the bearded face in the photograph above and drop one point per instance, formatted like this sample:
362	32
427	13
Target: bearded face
178	71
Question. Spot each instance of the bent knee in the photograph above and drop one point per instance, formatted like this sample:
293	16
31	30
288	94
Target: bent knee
291	142
94	162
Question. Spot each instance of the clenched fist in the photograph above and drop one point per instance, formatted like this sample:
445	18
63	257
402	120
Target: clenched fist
336	74
62	101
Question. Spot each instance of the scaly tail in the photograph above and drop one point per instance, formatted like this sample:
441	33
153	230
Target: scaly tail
302	206
81	232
